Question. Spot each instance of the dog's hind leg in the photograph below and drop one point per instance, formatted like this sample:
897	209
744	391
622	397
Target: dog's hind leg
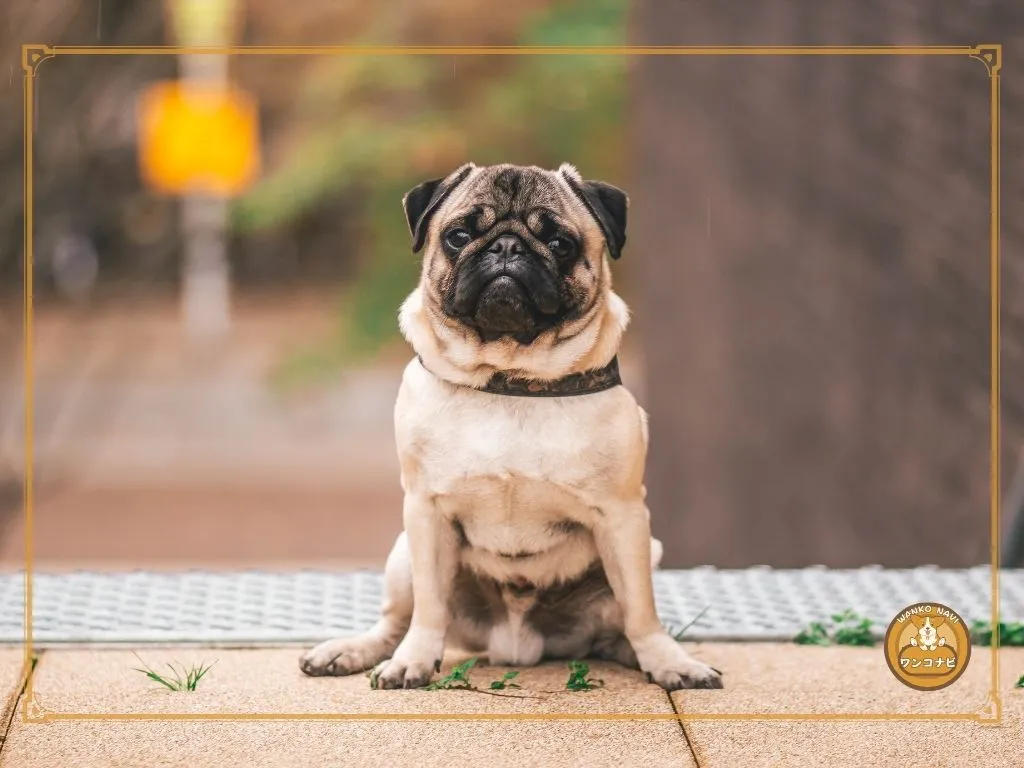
347	655
613	646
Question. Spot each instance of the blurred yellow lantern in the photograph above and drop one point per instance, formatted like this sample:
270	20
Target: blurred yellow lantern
197	137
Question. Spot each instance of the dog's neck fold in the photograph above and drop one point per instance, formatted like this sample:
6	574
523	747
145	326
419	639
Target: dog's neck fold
453	353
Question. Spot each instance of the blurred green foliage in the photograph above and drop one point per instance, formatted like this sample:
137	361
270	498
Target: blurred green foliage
373	127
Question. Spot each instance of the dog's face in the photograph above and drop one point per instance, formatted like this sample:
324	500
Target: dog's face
513	251
926	628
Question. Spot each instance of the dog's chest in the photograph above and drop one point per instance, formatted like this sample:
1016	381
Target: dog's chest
518	529
518	490
513	454
496	458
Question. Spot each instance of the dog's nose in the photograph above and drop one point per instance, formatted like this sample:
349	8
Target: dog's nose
507	245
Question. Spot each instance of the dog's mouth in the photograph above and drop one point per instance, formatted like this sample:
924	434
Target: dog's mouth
505	308
513	303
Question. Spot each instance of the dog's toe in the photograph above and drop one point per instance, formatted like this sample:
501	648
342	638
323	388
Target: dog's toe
393	674
310	667
314	666
672	680
668	665
712	681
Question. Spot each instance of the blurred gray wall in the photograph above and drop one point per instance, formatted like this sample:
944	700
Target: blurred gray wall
814	239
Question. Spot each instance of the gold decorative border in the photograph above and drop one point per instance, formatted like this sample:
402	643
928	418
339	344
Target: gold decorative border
989	54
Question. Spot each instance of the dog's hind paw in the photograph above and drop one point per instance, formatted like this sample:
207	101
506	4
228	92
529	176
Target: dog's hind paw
345	656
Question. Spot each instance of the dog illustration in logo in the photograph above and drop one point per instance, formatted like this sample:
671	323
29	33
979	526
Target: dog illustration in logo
927	635
927	653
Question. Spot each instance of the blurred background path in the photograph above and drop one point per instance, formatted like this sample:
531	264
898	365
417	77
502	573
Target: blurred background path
191	459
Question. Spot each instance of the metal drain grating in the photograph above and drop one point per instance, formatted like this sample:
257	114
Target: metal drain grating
307	606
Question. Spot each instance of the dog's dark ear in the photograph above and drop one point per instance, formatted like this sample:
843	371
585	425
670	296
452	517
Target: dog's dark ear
422	201
606	203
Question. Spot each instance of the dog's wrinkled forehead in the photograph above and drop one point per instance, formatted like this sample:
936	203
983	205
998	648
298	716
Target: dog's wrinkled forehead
505	192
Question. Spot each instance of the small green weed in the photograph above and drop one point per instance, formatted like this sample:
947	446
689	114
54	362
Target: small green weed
578	680
1010	633
847	628
457	679
503	683
1020	682
814	634
852	629
185	679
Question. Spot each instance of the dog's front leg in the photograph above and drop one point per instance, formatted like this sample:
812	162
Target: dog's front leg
623	537
433	552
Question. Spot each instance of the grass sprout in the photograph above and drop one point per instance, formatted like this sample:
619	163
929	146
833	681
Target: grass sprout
184	679
678	636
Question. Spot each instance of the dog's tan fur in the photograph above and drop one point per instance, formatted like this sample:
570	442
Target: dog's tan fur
517	489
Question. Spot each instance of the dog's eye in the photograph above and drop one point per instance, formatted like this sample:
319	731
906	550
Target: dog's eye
561	246
457	238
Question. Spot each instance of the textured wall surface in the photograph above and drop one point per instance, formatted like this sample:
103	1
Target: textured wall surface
814	238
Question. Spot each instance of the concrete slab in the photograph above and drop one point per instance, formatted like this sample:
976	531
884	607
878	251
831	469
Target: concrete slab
250	681
620	744
766	678
12	666
796	679
789	678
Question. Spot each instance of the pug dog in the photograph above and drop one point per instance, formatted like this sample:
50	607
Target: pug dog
526	534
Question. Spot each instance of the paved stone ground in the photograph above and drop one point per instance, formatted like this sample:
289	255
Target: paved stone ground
763	679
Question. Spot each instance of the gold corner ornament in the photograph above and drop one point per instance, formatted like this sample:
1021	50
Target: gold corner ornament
927	646
991	55
991	712
34	55
33	711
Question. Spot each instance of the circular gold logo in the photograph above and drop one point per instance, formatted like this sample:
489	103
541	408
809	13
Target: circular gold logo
927	646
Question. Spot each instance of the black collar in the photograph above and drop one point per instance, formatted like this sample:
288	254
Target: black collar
585	383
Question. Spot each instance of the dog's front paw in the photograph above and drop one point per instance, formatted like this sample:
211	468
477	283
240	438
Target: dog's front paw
668	665
416	660
394	673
